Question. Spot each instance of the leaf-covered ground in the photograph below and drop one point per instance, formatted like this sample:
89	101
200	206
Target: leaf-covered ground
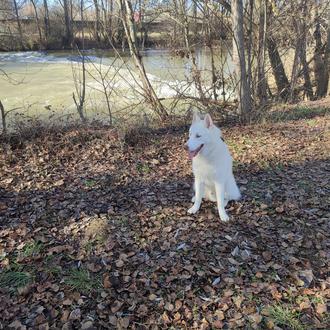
95	234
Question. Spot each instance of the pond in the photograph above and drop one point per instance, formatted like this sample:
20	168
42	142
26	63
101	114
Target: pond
42	83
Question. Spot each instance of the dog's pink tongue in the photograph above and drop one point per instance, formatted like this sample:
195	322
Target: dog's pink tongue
191	154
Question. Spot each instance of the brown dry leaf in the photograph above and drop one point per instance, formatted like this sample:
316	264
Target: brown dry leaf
44	326
220	315
152	297
16	325
67	302
217	324
87	325
178	304
255	318
304	305
142	310
75	314
123	323
119	263
321	308
238	301
228	293
165	318
65	315
267	255
116	306
93	267
113	320
59	249
106	282
169	307
259	275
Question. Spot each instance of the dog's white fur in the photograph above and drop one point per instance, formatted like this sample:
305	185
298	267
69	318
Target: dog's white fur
212	166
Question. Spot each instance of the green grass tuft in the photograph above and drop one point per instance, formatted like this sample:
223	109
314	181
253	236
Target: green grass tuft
285	316
32	249
12	280
80	280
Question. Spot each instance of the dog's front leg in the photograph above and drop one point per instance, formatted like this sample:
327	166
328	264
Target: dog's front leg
198	197
220	193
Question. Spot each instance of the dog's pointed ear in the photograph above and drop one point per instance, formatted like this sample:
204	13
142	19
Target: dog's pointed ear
196	116
208	121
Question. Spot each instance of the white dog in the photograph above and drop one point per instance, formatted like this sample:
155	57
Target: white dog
212	166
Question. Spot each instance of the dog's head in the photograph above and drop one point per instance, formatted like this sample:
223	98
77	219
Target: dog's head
202	133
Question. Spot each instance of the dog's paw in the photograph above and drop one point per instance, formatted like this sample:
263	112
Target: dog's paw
193	209
193	199
224	217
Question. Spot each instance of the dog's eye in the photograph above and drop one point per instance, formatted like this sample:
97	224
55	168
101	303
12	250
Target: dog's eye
198	136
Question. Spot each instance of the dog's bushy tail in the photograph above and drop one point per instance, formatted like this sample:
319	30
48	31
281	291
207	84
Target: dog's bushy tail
233	192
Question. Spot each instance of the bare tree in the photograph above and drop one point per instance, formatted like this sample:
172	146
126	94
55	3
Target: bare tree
321	58
261	55
68	24
130	31
303	52
46	20
97	21
244	91
19	26
80	84
37	21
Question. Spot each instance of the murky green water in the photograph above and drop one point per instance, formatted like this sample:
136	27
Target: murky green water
42	84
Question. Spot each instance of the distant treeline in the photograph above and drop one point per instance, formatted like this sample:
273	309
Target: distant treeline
36	24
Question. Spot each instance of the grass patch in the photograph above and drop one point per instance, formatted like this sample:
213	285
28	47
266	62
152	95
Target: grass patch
32	249
90	183
143	168
285	316
297	113
80	280
99	240
51	267
12	280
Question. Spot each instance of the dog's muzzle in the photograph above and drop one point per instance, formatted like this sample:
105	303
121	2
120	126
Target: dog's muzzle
194	153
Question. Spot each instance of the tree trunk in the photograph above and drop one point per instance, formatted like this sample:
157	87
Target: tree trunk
321	58
276	63
303	56
244	94
97	22
209	41
46	21
38	22
81	88
3	118
327	52
250	44
281	79
261	77
19	26
195	71
296	61
68	24
128	22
